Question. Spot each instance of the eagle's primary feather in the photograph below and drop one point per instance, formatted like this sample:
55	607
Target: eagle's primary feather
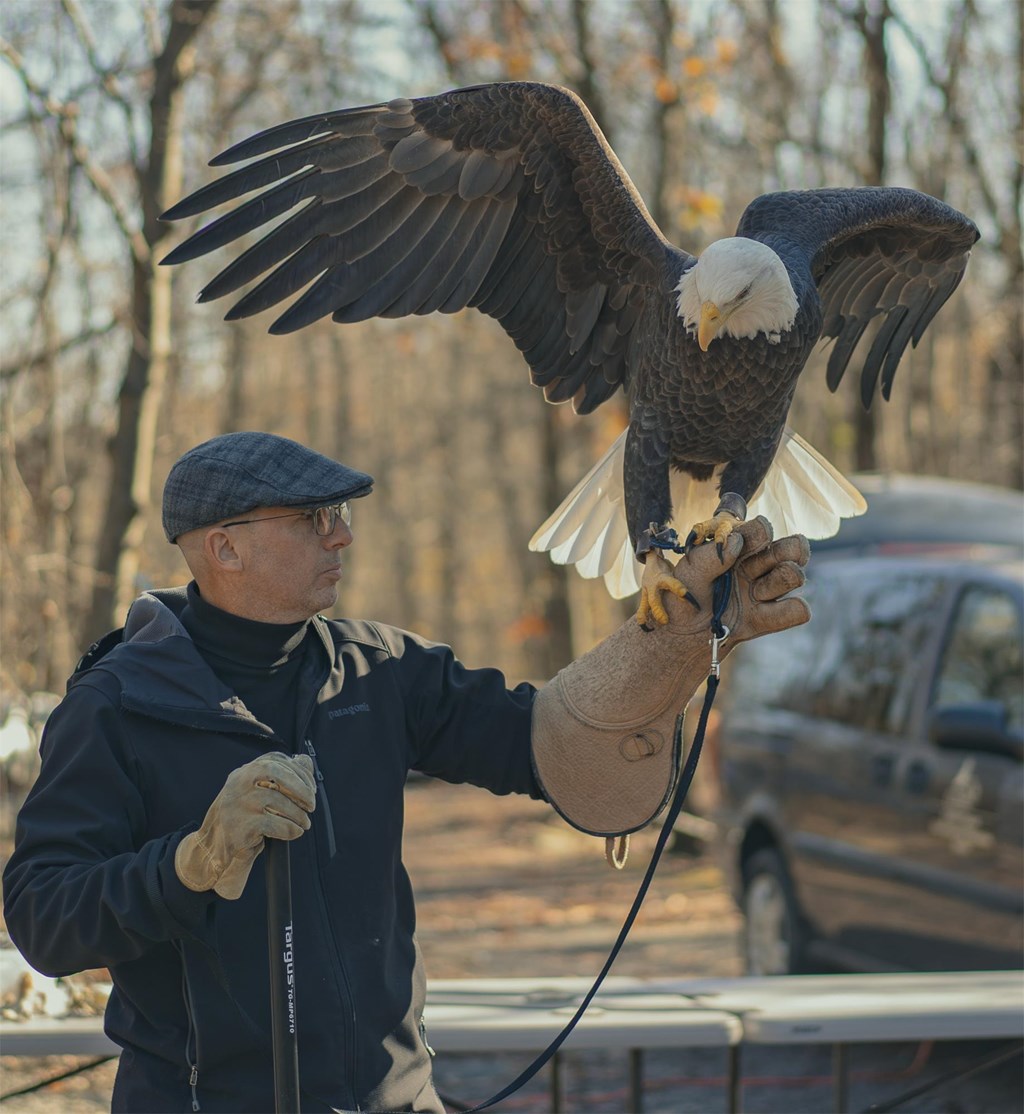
506	197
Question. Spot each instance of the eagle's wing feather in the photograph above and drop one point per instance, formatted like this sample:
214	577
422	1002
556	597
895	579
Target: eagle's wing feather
887	253
503	197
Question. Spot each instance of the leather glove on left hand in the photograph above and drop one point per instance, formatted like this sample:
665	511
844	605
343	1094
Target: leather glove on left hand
604	729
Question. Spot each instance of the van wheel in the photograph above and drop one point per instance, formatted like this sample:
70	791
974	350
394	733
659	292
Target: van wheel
774	934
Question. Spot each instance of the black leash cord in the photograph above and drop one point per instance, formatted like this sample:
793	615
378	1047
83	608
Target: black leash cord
720	600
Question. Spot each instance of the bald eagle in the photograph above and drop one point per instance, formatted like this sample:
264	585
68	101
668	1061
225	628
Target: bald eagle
507	197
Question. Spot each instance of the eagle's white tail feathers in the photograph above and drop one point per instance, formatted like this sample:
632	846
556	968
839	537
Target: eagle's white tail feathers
802	493
600	487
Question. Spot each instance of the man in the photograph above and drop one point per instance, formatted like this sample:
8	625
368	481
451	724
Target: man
231	711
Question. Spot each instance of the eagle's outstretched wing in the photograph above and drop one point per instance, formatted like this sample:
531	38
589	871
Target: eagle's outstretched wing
874	252
505	197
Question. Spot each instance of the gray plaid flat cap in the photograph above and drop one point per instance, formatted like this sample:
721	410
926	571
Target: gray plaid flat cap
237	472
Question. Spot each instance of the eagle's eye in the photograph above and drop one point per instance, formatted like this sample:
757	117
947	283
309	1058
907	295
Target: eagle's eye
745	292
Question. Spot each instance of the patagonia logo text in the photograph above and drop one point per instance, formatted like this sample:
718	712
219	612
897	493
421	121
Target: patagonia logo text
351	710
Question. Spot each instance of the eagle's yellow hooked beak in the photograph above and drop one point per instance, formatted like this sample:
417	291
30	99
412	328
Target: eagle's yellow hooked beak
711	320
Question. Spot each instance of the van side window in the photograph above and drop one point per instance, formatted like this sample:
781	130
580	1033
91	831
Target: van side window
871	649
984	658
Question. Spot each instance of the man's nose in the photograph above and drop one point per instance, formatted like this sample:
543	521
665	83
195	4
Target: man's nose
340	536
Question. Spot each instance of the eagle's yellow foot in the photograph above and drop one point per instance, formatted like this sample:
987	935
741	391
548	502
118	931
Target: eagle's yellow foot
716	529
658	578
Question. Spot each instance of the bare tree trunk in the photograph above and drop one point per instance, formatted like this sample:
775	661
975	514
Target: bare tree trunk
235	393
56	659
554	579
661	18
446	434
140	397
1006	367
585	75
58	653
1002	460
870	19
132	447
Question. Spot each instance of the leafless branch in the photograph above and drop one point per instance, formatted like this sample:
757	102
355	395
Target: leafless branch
430	19
109	77
945	85
258	60
39	358
67	124
31	115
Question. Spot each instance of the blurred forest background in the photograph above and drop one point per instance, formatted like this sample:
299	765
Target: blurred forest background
110	111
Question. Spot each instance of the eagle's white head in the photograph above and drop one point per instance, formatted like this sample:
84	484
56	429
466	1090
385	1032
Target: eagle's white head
738	287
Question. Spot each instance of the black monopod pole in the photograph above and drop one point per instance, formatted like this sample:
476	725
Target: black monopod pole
281	946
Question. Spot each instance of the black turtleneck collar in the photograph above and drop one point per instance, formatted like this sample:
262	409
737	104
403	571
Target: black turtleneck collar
262	663
243	642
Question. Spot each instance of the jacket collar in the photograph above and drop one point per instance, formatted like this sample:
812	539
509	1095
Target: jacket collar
163	675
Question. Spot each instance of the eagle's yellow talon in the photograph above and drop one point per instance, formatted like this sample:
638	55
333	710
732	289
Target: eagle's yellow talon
651	606
716	529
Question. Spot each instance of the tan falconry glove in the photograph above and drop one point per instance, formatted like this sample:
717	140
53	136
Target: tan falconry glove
268	798
604	729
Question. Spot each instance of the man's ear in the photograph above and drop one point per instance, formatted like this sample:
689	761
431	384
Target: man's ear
220	551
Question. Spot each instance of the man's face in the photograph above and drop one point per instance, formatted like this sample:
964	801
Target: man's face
290	571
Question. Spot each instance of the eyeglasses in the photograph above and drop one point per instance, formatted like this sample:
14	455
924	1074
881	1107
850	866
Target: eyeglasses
324	519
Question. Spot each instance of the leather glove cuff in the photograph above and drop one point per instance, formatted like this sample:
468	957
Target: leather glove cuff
606	739
198	867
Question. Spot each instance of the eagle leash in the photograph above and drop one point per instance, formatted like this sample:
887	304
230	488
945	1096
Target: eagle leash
719	632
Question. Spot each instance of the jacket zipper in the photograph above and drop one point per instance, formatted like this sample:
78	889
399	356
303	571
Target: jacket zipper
332	847
193	1079
322	900
192	1034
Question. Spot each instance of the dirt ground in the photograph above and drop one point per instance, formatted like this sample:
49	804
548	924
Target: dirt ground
505	888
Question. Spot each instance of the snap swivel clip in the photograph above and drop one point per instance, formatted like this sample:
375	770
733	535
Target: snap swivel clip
715	641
